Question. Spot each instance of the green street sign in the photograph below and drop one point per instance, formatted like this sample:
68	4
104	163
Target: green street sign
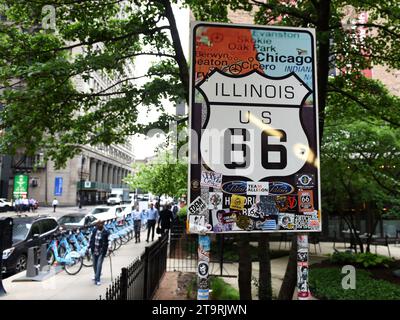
20	185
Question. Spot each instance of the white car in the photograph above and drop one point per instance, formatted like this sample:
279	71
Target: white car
5	205
106	213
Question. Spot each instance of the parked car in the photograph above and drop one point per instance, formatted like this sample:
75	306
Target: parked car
28	232
104	212
77	220
5	205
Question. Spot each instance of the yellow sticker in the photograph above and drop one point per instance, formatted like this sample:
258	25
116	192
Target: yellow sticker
237	202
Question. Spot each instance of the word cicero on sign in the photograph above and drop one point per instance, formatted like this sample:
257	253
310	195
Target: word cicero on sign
255	157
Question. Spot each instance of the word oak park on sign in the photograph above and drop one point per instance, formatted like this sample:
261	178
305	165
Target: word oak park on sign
254	153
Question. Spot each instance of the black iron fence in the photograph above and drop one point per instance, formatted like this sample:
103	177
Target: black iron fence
140	279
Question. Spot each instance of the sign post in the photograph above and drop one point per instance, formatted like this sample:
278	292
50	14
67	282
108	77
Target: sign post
254	147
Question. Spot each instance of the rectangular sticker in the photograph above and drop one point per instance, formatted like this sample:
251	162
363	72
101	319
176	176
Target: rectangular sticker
237	202
306	201
286	221
305	180
257	188
215	200
211	179
198	206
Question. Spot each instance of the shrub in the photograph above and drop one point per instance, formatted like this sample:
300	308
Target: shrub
370	260
326	283
222	290
182	213
364	260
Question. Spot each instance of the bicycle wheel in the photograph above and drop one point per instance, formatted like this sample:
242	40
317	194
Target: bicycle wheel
118	243
75	265
125	239
87	259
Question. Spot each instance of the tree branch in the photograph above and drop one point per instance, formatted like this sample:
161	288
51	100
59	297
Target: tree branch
362	104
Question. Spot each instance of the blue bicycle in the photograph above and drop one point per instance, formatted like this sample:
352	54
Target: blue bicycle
81	245
61	252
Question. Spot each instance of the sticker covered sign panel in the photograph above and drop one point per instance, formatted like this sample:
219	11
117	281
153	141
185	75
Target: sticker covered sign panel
254	151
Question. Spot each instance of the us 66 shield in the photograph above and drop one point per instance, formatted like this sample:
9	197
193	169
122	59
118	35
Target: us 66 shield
254	114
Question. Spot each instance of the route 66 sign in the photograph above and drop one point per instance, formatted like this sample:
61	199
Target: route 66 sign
253	126
254	121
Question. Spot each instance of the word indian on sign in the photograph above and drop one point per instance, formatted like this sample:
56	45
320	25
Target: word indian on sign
254	107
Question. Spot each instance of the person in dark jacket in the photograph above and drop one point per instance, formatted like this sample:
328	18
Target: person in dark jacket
98	247
166	218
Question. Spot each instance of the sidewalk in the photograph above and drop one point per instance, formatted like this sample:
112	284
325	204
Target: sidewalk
78	287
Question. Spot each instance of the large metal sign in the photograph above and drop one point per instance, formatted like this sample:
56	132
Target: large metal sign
254	154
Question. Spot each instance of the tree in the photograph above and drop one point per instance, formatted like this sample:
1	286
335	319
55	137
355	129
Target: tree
360	160
163	176
37	67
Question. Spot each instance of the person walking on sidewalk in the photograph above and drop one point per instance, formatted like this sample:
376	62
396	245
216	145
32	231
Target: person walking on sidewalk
166	218
55	204
152	217
98	246
138	218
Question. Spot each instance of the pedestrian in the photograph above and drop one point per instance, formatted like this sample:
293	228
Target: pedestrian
31	204
166	218
138	218
55	204
25	204
16	205
152	217
98	246
175	211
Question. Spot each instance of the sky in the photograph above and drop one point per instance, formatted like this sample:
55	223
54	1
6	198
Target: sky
144	146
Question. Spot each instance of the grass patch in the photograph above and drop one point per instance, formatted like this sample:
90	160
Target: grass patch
222	290
326	283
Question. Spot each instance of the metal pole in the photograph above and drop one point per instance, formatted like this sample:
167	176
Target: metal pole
221	253
203	267
303	292
80	183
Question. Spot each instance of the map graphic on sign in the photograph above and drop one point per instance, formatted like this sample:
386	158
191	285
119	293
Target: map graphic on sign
254	110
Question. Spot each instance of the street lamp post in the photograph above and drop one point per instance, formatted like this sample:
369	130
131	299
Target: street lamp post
80	184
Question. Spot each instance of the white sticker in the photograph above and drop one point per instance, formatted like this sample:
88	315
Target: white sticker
257	188
211	179
215	200
197	206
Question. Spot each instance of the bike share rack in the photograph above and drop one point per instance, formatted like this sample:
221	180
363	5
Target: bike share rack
36	271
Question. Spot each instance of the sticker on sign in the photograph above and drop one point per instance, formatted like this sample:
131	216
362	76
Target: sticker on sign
198	206
255	188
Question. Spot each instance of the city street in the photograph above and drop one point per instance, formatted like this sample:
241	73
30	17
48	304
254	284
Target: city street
75	287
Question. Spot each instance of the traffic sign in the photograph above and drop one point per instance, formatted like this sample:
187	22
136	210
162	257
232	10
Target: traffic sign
254	121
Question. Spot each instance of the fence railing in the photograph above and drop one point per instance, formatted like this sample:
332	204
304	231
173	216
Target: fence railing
140	280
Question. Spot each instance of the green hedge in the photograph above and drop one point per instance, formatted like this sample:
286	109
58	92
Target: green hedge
222	290
363	260
326	283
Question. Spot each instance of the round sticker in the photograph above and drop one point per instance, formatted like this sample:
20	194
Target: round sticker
203	269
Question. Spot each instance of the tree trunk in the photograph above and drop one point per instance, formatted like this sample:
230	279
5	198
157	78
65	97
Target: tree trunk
176	42
290	279
244	267
265	285
323	60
